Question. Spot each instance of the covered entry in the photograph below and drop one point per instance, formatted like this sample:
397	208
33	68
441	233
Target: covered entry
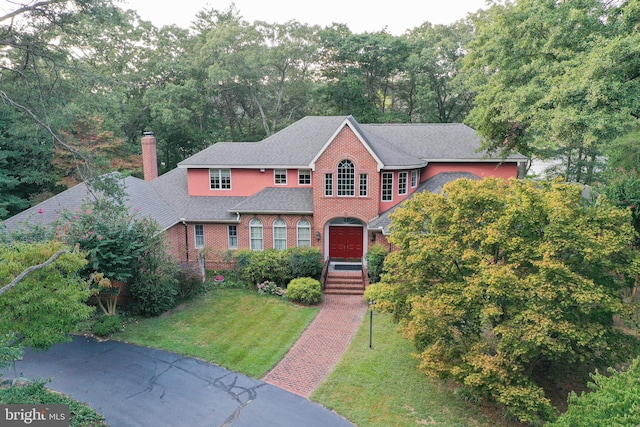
346	240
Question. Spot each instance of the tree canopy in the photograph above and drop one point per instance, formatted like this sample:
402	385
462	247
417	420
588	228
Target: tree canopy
501	284
556	79
46	304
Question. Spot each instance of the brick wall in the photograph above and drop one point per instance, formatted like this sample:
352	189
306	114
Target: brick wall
348	146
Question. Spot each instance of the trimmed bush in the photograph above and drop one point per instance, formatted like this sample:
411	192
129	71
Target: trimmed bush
306	262
375	262
305	290
107	325
259	266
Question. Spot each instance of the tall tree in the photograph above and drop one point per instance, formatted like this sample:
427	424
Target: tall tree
556	79
502	285
361	72
433	85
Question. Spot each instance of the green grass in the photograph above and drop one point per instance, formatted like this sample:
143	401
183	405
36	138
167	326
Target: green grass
234	328
383	387
80	414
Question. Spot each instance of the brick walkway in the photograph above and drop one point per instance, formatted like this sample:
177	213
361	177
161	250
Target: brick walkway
320	346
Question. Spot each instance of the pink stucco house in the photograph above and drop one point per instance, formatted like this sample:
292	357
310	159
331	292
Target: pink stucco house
325	182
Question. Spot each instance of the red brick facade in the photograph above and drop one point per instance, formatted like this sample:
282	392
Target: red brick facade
354	210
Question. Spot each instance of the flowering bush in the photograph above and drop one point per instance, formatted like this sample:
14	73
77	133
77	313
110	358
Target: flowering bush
270	288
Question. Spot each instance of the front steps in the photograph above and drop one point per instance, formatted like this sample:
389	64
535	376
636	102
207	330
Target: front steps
344	282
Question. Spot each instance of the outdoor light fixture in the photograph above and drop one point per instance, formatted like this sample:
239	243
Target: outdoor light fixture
318	236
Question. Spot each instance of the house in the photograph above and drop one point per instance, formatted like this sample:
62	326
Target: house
325	182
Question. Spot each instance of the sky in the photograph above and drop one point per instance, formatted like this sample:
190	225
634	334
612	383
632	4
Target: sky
359	15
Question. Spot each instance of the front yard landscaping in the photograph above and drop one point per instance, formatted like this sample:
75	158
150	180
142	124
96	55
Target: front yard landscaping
238	329
249	333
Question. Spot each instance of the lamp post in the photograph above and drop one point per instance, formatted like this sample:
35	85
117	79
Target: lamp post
371	303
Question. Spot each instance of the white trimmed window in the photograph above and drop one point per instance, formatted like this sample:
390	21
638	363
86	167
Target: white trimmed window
387	186
304	177
328	184
402	183
220	179
346	178
279	234
280	176
232	234
198	232
364	185
304	233
256	241
414	178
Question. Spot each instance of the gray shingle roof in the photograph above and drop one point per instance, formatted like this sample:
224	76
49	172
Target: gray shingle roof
405	146
278	200
294	146
432	185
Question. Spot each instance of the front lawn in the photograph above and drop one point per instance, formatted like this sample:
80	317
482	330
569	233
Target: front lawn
249	333
383	387
234	328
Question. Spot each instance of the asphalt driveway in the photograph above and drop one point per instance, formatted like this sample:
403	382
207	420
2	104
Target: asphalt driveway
138	386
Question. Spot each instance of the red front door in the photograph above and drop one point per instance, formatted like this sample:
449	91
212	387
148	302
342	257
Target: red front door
345	242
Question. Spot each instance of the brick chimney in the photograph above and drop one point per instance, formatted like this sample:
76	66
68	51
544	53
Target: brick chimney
149	157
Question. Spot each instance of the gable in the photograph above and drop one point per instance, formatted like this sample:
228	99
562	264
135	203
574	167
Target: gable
349	125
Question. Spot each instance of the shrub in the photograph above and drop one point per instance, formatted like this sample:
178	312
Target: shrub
305	290
270	288
189	283
306	262
375	262
259	266
614	401
107	325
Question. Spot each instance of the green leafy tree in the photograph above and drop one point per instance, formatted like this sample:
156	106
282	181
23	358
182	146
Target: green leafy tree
115	239
433	89
556	79
361	73
501	284
613	401
42	295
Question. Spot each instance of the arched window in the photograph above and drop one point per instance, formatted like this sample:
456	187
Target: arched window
304	233
255	235
279	234
346	178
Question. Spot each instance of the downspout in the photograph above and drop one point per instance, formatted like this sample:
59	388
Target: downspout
186	238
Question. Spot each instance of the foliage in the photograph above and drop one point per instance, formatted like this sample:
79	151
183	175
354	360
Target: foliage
613	401
190	283
258	266
622	177
9	352
306	290
47	303
270	288
155	283
375	262
556	79
306	262
107	325
35	393
122	247
497	283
